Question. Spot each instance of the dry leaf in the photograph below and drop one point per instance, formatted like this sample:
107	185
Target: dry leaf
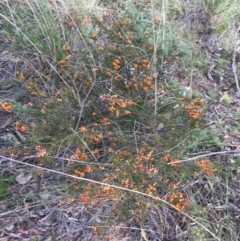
23	178
143	233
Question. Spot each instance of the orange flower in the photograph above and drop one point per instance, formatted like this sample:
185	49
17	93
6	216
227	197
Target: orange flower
20	76
207	166
84	198
94	69
87	169
93	35
151	189
101	48
116	64
63	62
78	173
70	23
66	47
79	155
41	152
19	126
178	200
127	112
6	106
83	129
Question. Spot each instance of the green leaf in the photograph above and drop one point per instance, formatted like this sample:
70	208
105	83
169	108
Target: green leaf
226	98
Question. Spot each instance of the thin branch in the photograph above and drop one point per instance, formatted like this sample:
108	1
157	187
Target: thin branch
234	68
205	155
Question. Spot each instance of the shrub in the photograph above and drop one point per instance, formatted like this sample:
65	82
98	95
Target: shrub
100	110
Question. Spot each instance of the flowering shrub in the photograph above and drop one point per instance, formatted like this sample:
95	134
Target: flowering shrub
118	137
102	112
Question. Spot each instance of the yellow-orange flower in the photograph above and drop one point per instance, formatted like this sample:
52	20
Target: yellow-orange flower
6	106
178	200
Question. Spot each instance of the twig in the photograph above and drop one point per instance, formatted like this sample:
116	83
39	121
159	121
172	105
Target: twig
234	68
205	155
82	104
229	206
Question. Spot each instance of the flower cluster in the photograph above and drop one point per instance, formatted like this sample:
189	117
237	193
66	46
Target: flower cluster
35	90
147	83
6	106
207	167
194	108
178	200
19	126
91	197
94	138
168	159
79	155
117	105
41	152
143	154
150	190
82	173
85	198
116	64
63	63
139	64
20	76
